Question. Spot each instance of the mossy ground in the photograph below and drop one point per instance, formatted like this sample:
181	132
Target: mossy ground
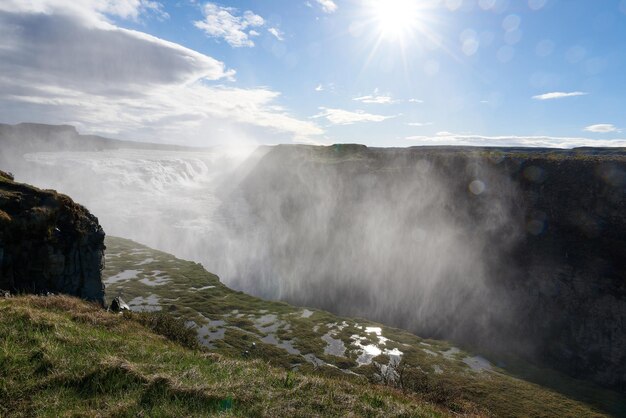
60	356
291	338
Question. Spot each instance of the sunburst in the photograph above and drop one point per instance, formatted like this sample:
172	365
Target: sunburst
397	19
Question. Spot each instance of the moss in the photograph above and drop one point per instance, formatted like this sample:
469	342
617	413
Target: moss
111	366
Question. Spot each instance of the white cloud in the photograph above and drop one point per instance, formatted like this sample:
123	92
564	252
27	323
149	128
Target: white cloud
169	112
277	33
558	95
419	124
328	6
325	87
447	138
382	99
375	99
156	8
92	12
60	50
220	22
345	117
602	128
62	68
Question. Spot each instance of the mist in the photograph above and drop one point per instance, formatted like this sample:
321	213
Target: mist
411	240
397	238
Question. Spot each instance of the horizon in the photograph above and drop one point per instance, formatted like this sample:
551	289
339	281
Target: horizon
183	147
395	74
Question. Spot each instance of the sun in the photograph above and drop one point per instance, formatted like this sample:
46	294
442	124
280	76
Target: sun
404	27
396	19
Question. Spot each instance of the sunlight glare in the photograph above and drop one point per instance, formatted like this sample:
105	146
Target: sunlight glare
396	18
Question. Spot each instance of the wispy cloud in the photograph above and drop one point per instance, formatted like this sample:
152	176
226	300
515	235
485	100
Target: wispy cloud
95	59
447	138
375	99
558	95
325	87
383	99
91	12
328	6
602	128
346	117
104	78
277	33
419	124
225	23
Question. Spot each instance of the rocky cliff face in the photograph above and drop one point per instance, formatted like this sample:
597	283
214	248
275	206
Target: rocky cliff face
504	250
48	243
571	264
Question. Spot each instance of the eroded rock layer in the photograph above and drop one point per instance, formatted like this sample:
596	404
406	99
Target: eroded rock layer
48	243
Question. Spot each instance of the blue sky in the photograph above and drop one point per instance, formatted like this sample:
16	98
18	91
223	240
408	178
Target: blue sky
382	73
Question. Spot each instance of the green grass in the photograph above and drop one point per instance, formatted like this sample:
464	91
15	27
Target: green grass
425	371
60	356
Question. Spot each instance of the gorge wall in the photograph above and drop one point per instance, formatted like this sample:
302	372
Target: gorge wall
504	250
48	243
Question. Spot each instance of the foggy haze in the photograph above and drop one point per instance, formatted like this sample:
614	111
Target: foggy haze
400	241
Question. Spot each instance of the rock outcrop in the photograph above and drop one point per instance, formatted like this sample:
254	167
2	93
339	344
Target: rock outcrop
48	243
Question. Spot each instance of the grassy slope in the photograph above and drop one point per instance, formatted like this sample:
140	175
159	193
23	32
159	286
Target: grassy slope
60	356
232	321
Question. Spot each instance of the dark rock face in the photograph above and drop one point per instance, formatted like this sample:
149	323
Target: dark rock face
503	250
572	265
48	243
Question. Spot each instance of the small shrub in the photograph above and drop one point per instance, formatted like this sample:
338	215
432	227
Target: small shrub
172	328
437	391
374	401
289	381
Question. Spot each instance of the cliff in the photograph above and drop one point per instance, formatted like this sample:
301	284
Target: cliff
48	243
504	250
571	270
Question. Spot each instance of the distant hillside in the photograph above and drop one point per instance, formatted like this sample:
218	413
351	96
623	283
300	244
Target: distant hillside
22	138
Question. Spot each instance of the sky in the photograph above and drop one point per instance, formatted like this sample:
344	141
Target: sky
387	73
